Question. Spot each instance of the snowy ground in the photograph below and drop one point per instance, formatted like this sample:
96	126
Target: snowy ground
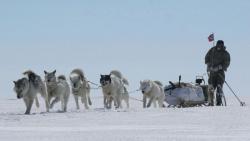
134	124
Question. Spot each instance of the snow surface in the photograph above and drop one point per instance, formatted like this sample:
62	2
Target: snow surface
134	124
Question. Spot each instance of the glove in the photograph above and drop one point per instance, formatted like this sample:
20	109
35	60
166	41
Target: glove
220	67
215	69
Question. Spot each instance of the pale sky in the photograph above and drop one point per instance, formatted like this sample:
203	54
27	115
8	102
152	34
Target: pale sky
144	39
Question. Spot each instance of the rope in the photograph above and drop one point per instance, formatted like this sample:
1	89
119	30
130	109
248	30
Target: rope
99	87
134	91
135	99
92	83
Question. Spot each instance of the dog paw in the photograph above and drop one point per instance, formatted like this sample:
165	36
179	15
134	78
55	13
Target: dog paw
27	113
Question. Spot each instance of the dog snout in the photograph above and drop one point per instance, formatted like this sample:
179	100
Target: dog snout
18	96
74	85
143	92
103	83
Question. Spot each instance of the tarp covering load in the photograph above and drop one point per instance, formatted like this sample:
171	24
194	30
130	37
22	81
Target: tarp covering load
184	95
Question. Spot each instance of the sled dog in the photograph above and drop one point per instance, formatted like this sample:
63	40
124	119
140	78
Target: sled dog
28	88
114	89
58	89
80	88
153	91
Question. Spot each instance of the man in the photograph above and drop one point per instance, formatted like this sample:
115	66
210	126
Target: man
217	60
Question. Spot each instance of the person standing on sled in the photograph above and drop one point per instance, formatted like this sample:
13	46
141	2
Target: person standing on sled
217	60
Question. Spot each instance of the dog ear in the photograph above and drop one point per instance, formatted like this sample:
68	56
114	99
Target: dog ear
54	72
14	82
45	72
101	75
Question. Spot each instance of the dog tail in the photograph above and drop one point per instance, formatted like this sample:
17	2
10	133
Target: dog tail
158	83
116	73
125	81
33	77
28	72
78	72
119	75
61	77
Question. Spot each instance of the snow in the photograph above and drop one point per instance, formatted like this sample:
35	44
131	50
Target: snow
133	124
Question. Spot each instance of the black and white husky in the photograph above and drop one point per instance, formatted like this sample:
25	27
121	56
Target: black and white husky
80	88
28	88
114	89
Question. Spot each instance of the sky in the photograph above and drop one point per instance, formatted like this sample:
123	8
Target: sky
144	39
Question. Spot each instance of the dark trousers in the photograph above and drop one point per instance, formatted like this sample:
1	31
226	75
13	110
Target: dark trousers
217	79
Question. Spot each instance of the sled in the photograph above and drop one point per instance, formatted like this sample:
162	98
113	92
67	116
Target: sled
182	94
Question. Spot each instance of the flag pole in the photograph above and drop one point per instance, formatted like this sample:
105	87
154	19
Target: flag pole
213	40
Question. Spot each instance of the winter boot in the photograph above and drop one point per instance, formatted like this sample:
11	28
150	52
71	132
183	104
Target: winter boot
218	99
219	95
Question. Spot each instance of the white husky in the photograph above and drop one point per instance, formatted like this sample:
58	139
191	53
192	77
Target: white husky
114	88
57	89
28	88
80	88
152	90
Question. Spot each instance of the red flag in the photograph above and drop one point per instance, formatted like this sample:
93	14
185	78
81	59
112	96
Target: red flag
211	37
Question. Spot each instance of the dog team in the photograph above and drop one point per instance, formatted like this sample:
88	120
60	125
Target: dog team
56	89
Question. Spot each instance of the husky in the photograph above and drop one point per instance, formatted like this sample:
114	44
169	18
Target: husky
80	88
114	89
57	88
153	90
28	88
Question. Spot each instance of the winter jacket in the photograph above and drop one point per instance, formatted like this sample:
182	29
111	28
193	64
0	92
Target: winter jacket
216	57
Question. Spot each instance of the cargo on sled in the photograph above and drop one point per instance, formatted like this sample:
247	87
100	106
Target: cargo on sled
187	94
